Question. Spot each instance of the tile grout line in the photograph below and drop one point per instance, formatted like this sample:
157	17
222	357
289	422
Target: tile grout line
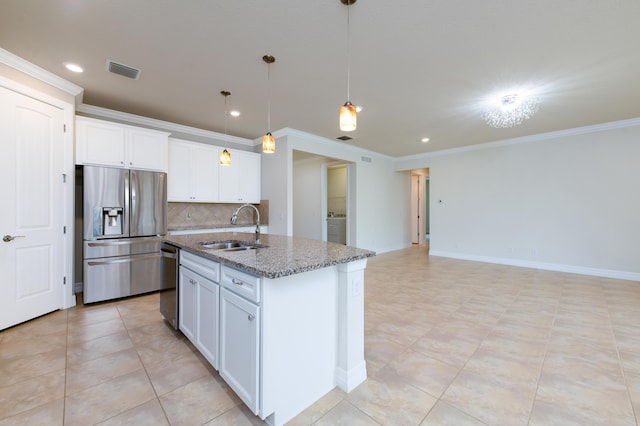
544	358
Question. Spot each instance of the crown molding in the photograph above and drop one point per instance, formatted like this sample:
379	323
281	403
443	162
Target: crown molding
41	74
288	131
99	112
525	139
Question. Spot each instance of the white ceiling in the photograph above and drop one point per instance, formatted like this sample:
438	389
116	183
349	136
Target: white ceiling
419	68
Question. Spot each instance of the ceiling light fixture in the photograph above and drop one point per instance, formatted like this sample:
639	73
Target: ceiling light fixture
234	113
348	114
510	110
73	67
225	156
424	140
268	141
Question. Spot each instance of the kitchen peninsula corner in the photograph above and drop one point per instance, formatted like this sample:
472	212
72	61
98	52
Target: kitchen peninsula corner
290	318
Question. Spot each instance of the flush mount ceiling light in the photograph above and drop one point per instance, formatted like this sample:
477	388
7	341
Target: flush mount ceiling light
225	156
510	110
268	141
73	67
348	114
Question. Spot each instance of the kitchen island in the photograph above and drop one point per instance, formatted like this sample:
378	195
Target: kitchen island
289	325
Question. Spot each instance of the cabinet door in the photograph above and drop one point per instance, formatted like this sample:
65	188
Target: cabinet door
205	164
239	344
146	149
207	332
187	303
240	181
179	175
100	142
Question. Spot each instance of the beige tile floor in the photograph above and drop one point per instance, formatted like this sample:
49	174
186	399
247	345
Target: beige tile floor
448	342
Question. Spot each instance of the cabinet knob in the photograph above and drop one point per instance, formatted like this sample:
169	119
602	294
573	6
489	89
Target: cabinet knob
250	317
192	281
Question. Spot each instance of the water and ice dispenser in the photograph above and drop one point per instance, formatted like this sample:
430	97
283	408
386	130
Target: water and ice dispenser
108	221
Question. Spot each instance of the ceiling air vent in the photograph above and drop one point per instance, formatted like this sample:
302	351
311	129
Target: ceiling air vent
344	138
123	70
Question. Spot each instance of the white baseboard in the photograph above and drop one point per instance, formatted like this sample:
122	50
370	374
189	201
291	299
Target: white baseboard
597	272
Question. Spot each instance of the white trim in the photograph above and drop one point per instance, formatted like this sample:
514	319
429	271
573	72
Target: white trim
607	273
41	74
525	139
99	112
288	131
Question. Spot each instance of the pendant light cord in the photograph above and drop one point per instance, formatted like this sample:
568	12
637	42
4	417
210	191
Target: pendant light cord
348	50
269	97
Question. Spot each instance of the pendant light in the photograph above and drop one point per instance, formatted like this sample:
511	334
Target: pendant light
225	156
348	110
268	141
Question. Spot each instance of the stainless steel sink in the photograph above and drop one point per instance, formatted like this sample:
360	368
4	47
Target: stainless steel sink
219	245
230	245
239	248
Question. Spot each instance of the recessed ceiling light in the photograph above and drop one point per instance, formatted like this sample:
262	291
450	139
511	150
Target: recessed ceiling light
73	67
234	113
358	108
425	140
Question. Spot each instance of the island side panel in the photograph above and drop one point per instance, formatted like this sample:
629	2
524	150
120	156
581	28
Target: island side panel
351	368
299	342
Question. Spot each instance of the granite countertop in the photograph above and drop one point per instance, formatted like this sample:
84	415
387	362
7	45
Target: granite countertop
283	255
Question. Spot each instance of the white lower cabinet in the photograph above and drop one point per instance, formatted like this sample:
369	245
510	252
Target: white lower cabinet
198	309
276	350
239	347
187	300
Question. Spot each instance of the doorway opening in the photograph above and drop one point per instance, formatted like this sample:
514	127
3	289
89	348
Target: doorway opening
420	229
323	202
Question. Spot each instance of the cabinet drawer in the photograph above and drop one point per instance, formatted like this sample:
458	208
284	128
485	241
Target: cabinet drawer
241	283
207	268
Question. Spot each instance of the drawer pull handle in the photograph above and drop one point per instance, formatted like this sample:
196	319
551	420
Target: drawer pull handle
237	282
250	317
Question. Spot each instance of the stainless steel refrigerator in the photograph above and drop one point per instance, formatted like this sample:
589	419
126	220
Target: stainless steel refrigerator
124	212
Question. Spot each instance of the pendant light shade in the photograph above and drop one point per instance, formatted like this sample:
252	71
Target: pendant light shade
225	156
348	117
348	114
268	141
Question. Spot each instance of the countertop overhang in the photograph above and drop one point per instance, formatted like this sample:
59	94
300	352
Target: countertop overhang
282	257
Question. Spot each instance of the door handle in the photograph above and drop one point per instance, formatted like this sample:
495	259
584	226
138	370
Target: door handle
8	238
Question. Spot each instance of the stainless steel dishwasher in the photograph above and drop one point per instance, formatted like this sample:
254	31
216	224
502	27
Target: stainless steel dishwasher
168	283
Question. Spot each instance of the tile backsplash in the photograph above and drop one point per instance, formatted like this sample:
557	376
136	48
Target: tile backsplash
213	215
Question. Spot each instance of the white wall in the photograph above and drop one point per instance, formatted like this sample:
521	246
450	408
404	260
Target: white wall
276	174
380	206
567	201
308	211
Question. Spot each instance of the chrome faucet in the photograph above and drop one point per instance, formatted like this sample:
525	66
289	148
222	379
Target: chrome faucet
234	219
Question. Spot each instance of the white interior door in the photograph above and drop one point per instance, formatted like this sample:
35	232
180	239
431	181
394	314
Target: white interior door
31	218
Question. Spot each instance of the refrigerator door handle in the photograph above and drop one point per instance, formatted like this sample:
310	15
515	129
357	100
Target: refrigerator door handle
103	243
127	260
132	199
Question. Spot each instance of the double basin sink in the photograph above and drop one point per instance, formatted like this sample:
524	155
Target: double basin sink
230	245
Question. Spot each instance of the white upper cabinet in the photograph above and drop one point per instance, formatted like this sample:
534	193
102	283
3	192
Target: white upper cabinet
240	181
193	172
105	143
196	176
